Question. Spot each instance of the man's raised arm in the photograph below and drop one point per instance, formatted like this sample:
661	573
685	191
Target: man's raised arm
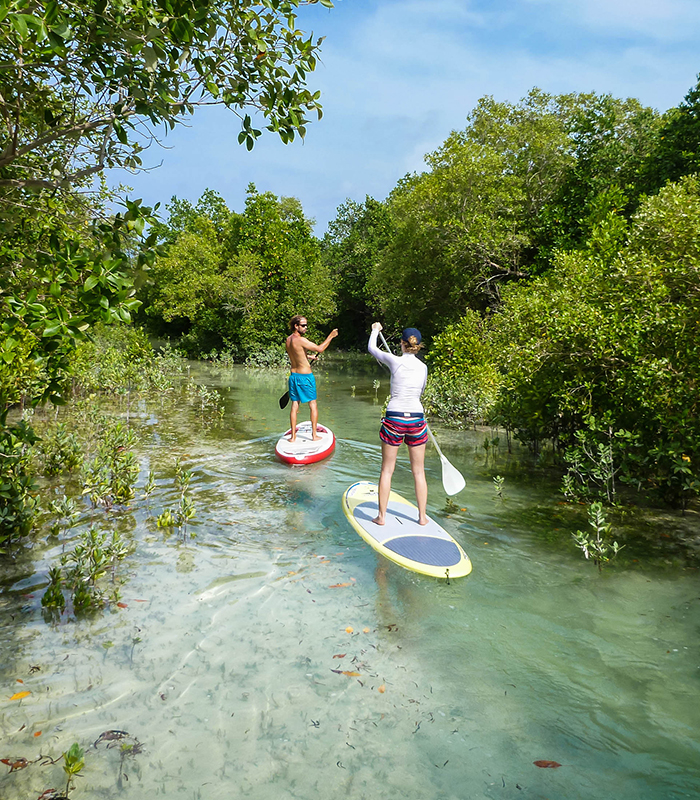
307	344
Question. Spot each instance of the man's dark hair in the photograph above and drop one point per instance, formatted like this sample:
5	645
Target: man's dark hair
295	320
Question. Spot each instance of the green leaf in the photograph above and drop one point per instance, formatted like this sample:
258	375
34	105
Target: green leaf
19	23
150	58
52	330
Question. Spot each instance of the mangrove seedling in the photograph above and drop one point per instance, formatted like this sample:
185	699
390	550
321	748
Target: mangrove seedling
89	561
166	519
209	401
127	750
182	476
112	475
61	451
150	486
185	512
73	763
597	546
53	596
498	482
450	506
67	512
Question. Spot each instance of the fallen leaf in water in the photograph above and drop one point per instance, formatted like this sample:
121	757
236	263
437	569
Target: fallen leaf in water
365	630
349	629
340	655
15	763
37	733
140	601
339	585
19	680
122	605
349	673
20	695
49	794
382	689
547	764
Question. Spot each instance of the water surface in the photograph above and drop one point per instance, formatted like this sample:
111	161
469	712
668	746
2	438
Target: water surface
222	661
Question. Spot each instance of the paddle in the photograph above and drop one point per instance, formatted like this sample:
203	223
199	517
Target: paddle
284	400
452	479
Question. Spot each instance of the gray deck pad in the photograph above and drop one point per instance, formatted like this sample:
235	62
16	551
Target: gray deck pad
399	524
426	550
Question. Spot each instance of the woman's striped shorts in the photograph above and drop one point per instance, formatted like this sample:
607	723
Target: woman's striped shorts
399	427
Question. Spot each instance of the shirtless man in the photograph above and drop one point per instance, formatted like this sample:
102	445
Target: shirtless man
302	384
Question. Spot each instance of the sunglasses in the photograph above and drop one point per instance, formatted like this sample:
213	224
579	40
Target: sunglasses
305	325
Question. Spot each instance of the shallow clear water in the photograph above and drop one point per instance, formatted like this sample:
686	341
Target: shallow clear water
222	661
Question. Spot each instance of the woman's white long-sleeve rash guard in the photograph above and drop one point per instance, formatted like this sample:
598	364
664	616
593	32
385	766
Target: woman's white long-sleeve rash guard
408	377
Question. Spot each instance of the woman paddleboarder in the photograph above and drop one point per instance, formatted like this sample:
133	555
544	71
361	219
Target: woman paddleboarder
404	420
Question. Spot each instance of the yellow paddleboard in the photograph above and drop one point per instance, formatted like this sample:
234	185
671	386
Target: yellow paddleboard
428	549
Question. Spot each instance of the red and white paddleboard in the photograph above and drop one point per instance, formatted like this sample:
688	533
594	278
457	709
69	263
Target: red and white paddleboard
304	450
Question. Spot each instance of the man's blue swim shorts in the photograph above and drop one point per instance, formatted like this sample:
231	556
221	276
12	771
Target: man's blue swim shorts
302	387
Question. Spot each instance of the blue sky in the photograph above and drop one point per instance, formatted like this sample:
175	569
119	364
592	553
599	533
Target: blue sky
398	75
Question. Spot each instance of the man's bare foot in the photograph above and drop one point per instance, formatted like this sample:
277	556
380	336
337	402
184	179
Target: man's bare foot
293	439
378	521
423	521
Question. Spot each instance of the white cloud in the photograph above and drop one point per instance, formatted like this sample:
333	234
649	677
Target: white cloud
663	20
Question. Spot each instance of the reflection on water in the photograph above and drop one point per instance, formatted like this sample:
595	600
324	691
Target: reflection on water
276	655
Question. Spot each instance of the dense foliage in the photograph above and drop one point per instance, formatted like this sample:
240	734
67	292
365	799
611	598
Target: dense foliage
601	354
60	276
231	281
520	181
83	86
351	247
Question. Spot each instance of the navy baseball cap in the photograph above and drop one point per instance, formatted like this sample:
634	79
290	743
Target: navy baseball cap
408	332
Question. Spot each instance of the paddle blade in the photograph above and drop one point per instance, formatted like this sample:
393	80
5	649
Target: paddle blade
452	479
284	400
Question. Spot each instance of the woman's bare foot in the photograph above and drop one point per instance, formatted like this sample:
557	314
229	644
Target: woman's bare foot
378	520
423	521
